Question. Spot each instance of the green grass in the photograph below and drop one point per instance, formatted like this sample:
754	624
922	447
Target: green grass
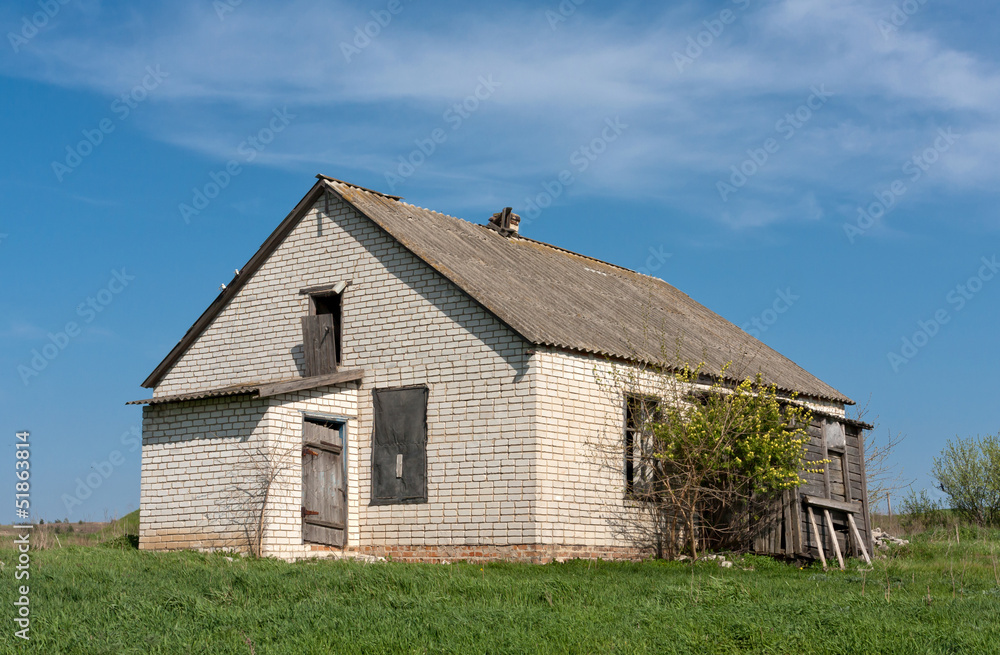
128	524
120	600
123	532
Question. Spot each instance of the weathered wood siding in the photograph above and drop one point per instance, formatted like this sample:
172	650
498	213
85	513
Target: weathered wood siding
842	478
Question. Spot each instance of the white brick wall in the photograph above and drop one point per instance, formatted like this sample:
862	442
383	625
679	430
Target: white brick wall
198	456
580	435
404	324
192	453
577	482
510	435
283	537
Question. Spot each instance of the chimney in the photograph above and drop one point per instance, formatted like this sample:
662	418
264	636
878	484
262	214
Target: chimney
505	222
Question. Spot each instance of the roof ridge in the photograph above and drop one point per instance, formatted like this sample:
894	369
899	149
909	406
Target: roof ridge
482	225
434	211
321	176
399	199
593	259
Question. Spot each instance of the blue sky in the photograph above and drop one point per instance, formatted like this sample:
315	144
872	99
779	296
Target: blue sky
826	168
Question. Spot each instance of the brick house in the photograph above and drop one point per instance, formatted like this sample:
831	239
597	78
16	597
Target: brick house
429	385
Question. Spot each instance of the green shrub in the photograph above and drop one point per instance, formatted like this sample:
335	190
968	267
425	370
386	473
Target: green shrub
125	542
968	471
919	512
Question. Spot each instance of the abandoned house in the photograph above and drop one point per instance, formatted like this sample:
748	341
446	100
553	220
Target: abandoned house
411	384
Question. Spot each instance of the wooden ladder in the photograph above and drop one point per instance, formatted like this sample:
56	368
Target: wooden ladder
848	508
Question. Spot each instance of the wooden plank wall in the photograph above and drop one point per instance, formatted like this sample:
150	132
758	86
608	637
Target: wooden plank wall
859	485
791	534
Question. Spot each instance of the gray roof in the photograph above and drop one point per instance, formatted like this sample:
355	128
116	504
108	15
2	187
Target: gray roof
550	296
554	297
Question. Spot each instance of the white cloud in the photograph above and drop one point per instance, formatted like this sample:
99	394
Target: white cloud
686	128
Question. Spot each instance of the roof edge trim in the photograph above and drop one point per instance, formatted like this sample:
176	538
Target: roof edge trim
559	348
320	176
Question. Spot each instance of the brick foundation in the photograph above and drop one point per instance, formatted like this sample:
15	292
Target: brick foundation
534	553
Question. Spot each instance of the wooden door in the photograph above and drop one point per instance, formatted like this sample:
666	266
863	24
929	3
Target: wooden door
324	484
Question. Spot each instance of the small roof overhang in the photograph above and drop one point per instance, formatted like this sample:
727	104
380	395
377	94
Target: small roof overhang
259	389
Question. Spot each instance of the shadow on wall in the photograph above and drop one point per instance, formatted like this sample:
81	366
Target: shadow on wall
169	418
299	357
432	288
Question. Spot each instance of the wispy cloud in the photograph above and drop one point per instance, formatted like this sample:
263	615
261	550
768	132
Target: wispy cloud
687	127
22	330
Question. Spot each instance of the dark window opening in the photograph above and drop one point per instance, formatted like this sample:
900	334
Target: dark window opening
322	334
640	412
399	445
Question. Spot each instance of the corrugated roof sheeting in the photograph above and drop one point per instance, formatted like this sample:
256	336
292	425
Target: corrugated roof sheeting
557	298
200	395
262	389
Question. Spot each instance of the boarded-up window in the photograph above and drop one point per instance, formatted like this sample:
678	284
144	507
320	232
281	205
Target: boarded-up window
833	432
399	446
324	487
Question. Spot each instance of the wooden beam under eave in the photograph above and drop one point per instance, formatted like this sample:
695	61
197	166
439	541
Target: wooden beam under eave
838	505
313	382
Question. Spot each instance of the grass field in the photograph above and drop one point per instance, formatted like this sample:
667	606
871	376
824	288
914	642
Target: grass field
934	596
57	535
